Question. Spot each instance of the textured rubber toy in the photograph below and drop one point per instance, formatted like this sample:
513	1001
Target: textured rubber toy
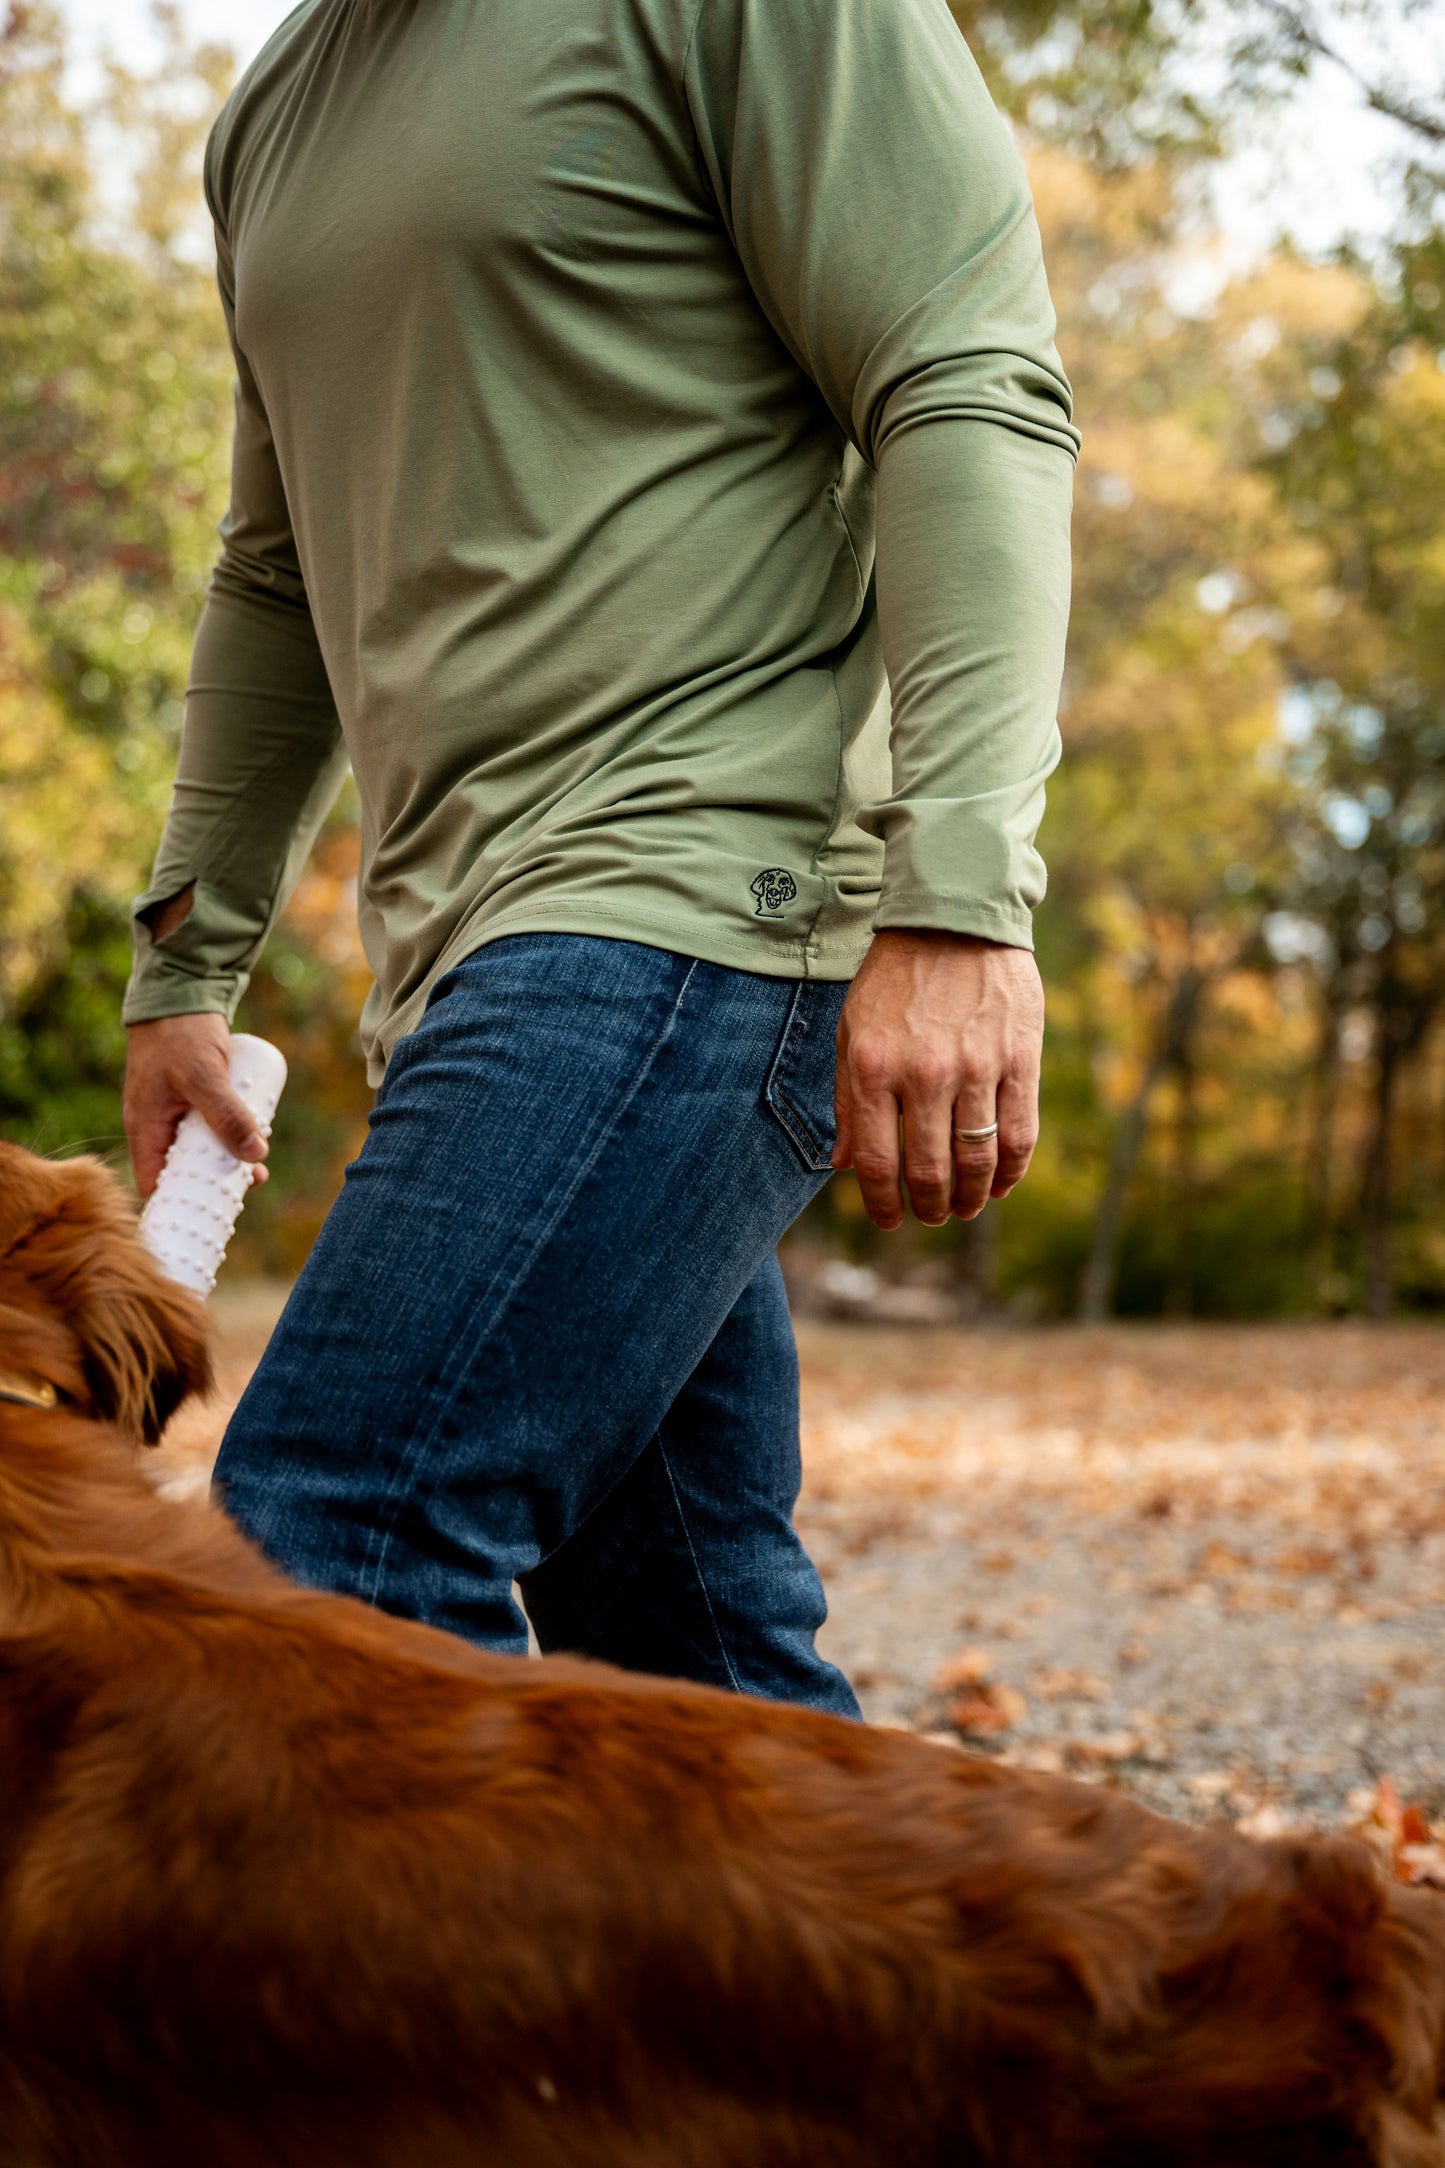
195	1205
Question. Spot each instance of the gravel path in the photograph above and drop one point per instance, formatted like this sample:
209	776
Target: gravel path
1208	1562
1204	1563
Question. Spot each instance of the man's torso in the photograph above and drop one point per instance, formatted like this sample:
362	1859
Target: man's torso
588	557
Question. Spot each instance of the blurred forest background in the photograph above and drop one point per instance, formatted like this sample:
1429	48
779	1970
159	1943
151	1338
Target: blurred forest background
1243	939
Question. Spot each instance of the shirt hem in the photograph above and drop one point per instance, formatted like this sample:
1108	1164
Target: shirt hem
805	957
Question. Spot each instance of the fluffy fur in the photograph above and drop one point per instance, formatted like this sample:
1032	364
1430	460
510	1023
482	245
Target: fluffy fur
283	1881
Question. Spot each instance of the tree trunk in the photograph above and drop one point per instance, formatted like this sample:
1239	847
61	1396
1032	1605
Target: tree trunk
1179	1269
1404	1016
977	1262
1319	1220
1376	1201
1096	1291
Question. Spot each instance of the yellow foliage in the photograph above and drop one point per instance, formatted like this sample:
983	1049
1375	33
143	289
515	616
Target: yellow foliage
64	827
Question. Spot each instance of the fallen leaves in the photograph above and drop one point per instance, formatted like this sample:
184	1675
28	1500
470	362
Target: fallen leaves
1096	1754
975	1704
1058	1682
1306	1558
1242	1527
1231	1790
986	1710
1269	1819
1407	1846
1220	1561
1314	1441
1109	1747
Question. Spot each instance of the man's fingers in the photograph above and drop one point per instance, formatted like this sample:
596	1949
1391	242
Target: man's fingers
974	1158
203	1081
873	1125
151	1133
230	1117
928	1151
1018	1131
150	1140
174	1063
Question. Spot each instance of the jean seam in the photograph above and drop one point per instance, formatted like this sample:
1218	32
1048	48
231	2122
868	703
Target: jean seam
727	1663
784	1113
394	1497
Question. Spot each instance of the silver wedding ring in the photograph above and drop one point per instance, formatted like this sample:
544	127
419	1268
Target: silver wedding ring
976	1136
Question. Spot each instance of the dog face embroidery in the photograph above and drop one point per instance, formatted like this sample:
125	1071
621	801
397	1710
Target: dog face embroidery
773	888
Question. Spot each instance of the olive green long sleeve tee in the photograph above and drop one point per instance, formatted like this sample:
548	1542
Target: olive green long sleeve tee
589	353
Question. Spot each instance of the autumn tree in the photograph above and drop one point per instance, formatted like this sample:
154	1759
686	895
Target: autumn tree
114	454
113	387
1359	460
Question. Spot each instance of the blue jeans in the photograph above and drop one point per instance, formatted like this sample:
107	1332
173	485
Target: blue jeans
542	1337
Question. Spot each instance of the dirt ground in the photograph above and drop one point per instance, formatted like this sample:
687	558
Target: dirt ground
1209	1561
1204	1563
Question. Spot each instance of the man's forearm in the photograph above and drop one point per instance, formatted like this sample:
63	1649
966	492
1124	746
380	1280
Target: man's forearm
940	1043
260	764
973	592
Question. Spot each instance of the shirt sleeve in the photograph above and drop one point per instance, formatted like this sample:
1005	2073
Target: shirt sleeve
261	756
883	217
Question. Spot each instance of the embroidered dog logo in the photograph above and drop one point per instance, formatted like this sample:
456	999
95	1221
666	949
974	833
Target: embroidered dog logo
773	888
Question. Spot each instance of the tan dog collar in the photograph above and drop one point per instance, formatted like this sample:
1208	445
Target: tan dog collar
27	1391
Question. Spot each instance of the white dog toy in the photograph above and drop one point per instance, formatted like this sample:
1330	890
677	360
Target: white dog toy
195	1205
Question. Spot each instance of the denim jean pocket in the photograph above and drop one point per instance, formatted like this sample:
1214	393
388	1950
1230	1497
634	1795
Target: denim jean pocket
799	1090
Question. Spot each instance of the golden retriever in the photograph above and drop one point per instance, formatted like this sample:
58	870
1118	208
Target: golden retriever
283	1881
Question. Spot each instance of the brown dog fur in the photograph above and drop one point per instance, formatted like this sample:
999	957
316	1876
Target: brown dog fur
283	1881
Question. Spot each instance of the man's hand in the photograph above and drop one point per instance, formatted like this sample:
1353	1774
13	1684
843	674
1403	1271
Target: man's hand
941	1032
174	1064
